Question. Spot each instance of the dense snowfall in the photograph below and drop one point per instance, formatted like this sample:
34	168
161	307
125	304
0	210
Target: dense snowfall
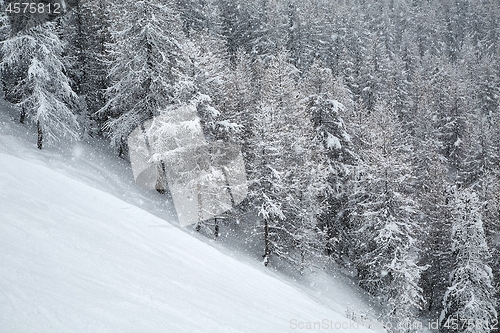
369	132
82	249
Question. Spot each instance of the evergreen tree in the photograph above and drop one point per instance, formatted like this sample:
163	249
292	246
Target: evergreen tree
85	32
431	186
469	297
148	65
42	92
289	174
210	69
387	216
330	133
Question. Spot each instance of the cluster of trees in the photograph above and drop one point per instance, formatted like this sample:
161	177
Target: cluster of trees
370	129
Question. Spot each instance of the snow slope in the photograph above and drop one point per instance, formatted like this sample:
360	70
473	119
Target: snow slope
82	249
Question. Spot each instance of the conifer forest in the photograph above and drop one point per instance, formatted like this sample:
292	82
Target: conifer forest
369	129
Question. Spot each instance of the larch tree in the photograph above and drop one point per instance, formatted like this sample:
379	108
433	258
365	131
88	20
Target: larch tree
290	174
431	191
210	74
84	29
326	115
148	66
469	297
42	91
388	260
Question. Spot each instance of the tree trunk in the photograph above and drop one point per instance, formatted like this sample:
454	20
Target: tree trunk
40	135
266	243
122	148
216	231
302	261
23	115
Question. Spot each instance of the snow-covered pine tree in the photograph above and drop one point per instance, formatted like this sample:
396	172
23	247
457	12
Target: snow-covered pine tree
42	91
84	29
470	295
431	191
330	132
211	72
241	100
289	172
210	68
448	96
147	68
387	218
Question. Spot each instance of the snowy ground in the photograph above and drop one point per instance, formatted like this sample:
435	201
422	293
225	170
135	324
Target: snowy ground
82	249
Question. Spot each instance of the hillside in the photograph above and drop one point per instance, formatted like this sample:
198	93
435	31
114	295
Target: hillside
82	249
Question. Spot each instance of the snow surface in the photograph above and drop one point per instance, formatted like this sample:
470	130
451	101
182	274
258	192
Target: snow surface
82	249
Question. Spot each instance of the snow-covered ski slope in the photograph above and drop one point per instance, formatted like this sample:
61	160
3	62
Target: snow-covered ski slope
82	249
